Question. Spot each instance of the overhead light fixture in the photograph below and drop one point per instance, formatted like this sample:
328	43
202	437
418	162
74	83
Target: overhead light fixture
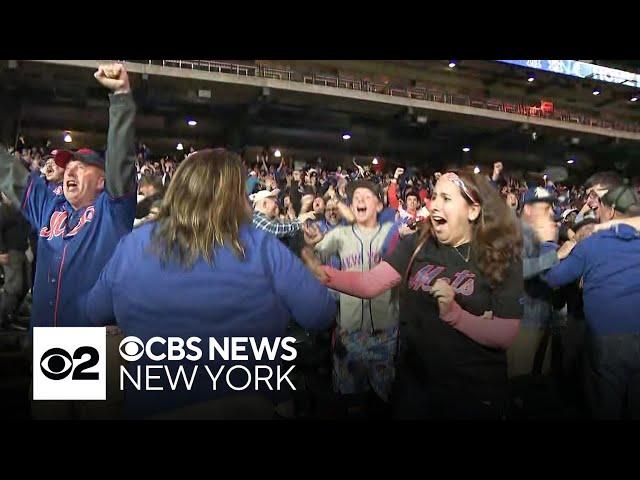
634	98
346	136
277	153
179	147
67	137
476	170
570	161
531	77
596	91
466	149
192	123
452	64
375	161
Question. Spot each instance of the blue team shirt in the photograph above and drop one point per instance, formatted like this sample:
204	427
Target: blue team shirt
73	247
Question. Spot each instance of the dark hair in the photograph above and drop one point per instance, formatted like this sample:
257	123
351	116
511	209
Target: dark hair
608	180
496	236
152	180
411	193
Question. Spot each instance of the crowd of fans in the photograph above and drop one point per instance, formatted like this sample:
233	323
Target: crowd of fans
542	277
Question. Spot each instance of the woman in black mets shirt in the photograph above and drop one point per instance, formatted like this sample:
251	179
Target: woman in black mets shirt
462	278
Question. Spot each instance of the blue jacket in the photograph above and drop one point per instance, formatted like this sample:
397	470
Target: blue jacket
251	298
74	245
609	263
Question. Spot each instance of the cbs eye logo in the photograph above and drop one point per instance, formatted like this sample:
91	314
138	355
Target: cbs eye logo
131	349
57	364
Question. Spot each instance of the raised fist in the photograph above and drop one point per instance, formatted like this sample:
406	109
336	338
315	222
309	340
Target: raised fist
497	170
114	77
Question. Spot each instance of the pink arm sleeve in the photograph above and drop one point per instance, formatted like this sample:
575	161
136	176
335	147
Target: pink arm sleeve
367	284
494	333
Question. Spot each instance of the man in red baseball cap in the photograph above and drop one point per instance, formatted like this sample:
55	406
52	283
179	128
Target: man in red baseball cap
53	169
83	177
78	231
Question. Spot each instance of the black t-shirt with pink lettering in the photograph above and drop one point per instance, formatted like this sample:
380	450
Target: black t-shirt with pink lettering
437	353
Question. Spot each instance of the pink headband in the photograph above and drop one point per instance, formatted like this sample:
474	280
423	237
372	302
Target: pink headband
457	181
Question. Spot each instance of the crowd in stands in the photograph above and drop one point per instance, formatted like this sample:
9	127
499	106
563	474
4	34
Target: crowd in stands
447	294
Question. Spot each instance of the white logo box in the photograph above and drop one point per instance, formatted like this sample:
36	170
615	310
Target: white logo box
84	343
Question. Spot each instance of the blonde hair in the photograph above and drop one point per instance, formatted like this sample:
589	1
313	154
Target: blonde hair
203	208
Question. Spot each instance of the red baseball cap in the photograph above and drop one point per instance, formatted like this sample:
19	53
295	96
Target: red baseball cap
62	157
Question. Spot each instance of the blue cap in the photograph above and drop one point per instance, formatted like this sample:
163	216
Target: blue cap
89	157
538	194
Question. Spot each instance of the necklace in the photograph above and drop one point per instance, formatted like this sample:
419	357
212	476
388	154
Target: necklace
462	256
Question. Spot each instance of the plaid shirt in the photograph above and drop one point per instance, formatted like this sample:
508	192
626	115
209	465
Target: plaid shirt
274	227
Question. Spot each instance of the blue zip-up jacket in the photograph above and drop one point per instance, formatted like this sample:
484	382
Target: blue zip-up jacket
75	245
609	263
254	297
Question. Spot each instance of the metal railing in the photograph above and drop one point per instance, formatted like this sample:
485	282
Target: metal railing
418	93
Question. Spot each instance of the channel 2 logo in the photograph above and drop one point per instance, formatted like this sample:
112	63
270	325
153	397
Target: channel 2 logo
69	363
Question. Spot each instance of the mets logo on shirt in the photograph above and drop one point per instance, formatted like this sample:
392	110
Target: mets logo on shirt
69	363
58	223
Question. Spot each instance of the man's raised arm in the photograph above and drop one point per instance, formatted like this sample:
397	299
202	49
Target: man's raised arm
120	168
